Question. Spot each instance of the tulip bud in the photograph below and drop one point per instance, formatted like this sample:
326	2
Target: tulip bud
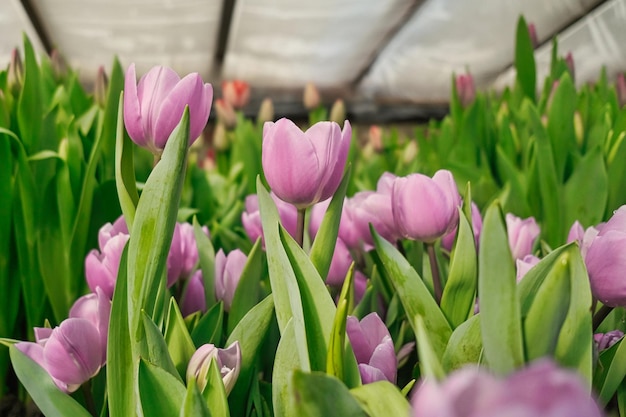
101	87
303	168
225	114
101	268
227	360
154	106
620	86
194	298
532	31
524	265
183	255
266	111
311	98
15	72
477	224
522	235
95	308
236	93
582	237
338	112
373	348
220	138
606	340
541	389
466	89
251	217
410	152
424	208
375	138
228	271
579	128
569	60
339	264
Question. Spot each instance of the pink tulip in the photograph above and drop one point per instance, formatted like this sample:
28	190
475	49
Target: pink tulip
620	87
424	208
583	237
96	308
251	217
303	168
477	224
109	230
154	106
183	255
524	265
466	89
522	235
228	361
532	32
101	268
373	348
194	298
236	93
228	271
339	264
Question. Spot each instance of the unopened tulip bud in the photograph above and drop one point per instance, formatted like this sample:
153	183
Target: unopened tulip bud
522	235
101	87
183	255
620	86
228	271
101	268
338	112
236	93
227	360
532	31
375	138
311	97
410	152
251	217
194	298
15	72
225	114
466	89
569	60
266	111
524	265
579	129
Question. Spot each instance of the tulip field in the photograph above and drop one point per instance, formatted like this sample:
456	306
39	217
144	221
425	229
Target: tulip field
154	262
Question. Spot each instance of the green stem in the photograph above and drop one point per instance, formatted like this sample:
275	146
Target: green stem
91	405
599	317
300	226
434	268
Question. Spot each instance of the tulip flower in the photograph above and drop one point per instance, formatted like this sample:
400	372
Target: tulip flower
569	60
373	348
338	111
228	271
606	340
522	235
154	106
227	360
540	390
606	261
424	208
109	230
251	217
339	264
70	353
582	236
466	89
311	97
266	111
95	308
236	93
194	298
524	265
183	255
101	268
303	168
477	224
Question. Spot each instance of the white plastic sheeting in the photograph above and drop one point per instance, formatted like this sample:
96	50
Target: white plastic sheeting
598	39
14	22
447	36
286	43
181	34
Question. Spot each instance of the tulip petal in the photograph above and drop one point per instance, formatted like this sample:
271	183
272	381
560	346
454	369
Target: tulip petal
132	108
606	263
370	374
152	90
384	358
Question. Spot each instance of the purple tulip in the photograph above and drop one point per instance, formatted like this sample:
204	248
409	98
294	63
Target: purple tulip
424	208
522	235
606	340
583	237
339	264
101	268
477	225
228	271
620	87
183	255
569	60
532	32
606	261
154	106
524	265
540	390
227	360
466	89
109	230
194	298
347	230
70	353
96	308
303	168
251	217
373	348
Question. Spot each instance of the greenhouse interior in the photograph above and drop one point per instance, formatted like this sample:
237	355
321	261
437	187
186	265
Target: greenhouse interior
267	208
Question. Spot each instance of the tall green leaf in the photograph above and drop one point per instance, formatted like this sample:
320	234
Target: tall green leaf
525	59
319	395
161	394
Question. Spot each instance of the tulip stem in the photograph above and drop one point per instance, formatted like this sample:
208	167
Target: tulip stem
434	269
89	402
300	226
600	315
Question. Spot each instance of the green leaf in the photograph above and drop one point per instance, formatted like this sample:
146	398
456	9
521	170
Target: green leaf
120	378
336	344
108	131
465	345
194	404
157	349
286	361
209	327
178	339
459	294
50	400
611	371
429	362
206	253
590	180
30	102
316	394
247	292
326	238
500	321
525	59
161	394
542	324
214	392
125	169
381	399
415	297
